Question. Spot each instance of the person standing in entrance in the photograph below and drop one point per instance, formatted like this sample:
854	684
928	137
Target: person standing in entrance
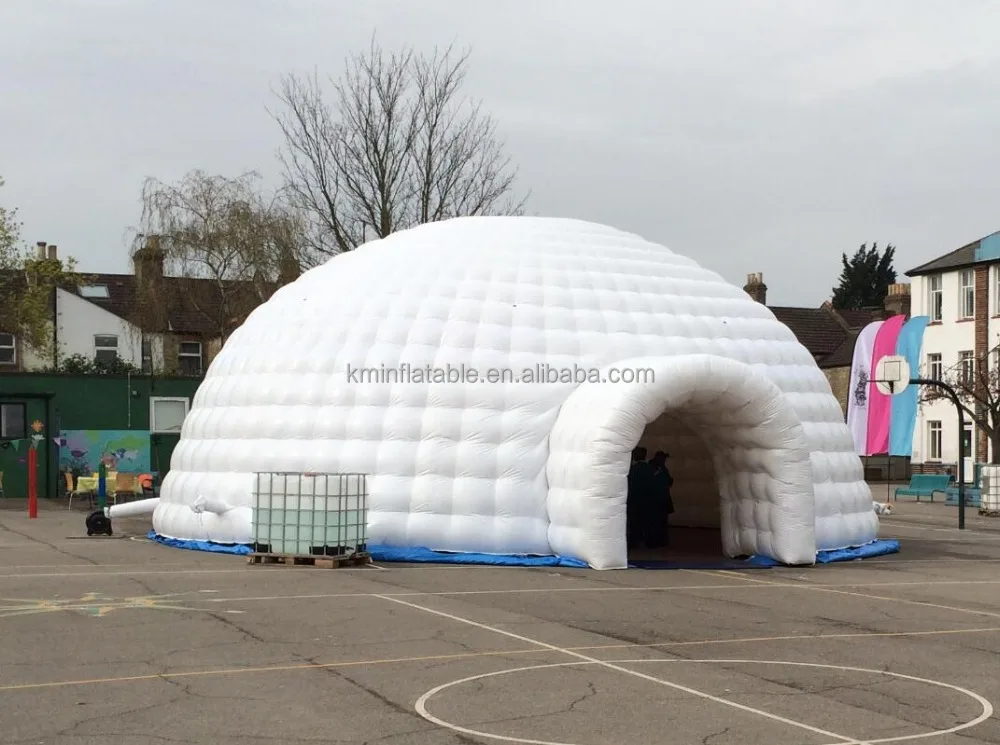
639	481
662	504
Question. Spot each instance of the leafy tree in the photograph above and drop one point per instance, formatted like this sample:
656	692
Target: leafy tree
27	287
865	278
398	146
78	364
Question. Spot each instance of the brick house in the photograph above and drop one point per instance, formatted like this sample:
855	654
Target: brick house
830	334
158	323
960	293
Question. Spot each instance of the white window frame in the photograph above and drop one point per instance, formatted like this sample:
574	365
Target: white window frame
935	298
967	294
146	349
98	348
935	367
967	366
996	289
5	434
934	440
95	292
189	355
154	427
12	346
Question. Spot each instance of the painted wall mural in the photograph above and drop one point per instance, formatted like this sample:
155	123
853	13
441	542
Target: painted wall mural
82	450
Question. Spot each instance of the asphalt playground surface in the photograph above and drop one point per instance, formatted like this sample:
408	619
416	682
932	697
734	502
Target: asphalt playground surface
121	640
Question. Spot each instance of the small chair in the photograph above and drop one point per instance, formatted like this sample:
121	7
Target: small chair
124	486
72	492
146	481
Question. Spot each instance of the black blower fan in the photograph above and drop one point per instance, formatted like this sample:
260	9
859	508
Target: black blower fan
98	524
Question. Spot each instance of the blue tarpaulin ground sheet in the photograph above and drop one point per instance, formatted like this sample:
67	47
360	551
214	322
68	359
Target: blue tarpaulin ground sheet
218	548
876	548
427	556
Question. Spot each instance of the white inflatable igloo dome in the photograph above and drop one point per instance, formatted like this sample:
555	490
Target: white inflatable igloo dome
585	341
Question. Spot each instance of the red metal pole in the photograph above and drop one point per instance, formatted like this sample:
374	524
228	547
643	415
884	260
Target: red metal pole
32	483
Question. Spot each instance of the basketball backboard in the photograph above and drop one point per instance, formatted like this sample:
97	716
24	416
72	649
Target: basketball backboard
892	375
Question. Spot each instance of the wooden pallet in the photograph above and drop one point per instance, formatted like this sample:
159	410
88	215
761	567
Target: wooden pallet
323	562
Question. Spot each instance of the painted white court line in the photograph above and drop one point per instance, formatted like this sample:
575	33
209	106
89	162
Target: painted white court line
841	739
942	560
143	572
557	590
890	599
888	527
985	705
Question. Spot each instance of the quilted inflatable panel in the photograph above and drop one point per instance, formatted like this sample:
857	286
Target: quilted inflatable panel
438	359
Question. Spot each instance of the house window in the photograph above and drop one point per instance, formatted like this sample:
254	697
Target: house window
8	349
94	291
934	368
934	440
13	421
147	356
105	348
966	367
967	294
996	290
166	415
935	298
189	358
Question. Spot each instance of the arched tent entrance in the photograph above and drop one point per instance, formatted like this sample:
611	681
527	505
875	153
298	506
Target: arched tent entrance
757	444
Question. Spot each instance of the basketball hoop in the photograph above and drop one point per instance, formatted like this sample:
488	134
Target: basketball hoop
892	375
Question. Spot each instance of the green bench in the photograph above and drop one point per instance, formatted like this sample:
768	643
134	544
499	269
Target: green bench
924	485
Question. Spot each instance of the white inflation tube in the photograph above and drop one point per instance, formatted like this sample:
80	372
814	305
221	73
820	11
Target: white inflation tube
131	509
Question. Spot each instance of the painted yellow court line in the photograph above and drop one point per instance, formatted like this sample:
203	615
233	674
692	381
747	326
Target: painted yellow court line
609	665
497	653
869	596
97	566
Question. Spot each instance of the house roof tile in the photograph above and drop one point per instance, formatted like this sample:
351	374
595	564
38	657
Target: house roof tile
184	306
843	355
815	328
960	257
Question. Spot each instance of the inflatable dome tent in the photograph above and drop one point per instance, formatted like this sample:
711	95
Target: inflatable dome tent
623	341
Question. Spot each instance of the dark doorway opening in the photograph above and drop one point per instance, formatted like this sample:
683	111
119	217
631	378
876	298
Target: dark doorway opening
693	531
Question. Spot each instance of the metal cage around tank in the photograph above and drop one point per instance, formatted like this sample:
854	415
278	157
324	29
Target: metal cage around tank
310	514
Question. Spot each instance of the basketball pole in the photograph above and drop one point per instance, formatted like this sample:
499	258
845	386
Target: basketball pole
950	392
888	450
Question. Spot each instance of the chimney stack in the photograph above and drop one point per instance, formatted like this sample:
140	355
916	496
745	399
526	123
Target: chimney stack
40	250
288	268
53	252
148	261
756	288
897	301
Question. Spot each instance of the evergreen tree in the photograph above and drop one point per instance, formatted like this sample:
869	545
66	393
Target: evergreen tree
865	278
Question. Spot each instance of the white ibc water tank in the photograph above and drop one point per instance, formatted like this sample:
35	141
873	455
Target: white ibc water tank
990	500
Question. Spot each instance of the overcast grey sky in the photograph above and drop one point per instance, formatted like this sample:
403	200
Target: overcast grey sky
751	135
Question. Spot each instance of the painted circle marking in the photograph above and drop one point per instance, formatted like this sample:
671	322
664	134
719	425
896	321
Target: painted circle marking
987	707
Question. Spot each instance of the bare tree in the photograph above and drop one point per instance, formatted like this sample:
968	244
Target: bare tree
977	385
398	147
224	245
